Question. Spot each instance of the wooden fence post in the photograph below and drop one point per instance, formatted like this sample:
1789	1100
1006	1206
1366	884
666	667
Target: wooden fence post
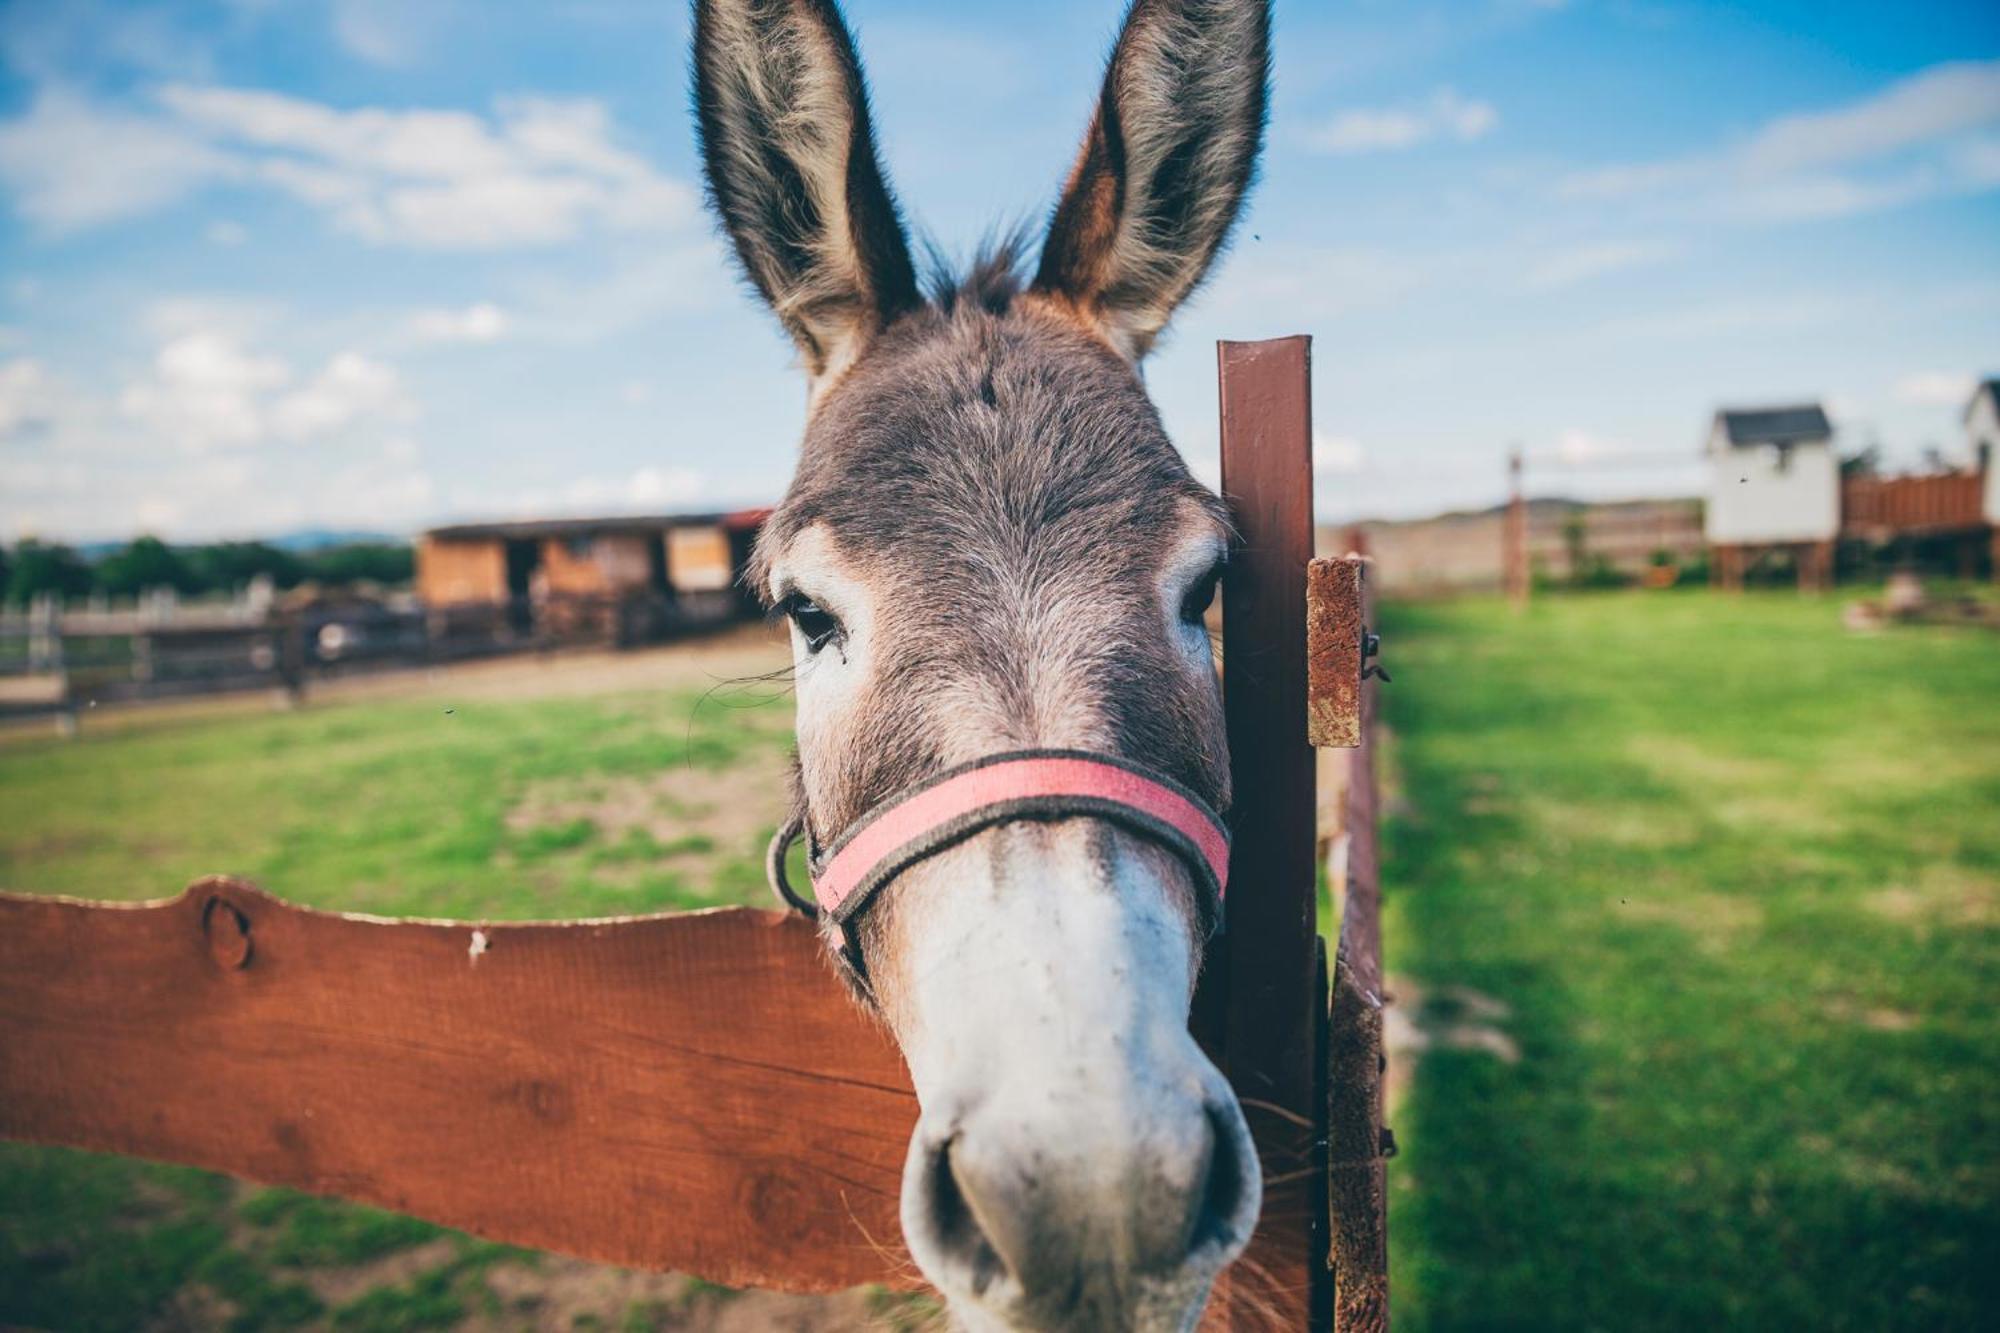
1514	534
1357	1143
1265	1001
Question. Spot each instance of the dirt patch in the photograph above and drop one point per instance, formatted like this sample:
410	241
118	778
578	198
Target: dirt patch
1684	763
1943	895
1456	1018
1650	827
1870	1174
338	1285
1876	1018
682	809
1715	920
148	1202
195	1308
1738	790
557	1295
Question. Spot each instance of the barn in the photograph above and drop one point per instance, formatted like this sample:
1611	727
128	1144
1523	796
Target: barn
1774	484
625	577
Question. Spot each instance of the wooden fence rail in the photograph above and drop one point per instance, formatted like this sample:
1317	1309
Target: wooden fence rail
695	1091
692	1091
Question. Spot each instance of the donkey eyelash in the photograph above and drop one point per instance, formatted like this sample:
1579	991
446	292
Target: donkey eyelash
1201	596
817	626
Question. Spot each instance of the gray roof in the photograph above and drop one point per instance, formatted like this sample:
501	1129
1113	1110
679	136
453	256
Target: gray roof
1746	427
1986	389
633	524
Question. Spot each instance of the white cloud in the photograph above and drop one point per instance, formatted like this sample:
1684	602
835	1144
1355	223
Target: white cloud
350	388
1585	262
1936	388
379	33
1921	137
1295	284
1576	445
1446	115
26	397
482	322
70	164
225	233
1337	454
1929	105
540	172
205	392
177	451
643	490
536	172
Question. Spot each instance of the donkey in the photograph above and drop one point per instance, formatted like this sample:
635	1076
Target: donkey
990	546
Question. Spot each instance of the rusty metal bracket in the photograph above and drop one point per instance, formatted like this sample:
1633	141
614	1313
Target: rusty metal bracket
1338	645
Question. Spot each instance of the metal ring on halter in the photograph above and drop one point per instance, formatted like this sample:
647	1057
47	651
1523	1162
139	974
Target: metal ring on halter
774	866
948	807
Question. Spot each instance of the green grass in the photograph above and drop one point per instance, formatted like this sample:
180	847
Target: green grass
1729	871
1732	875
398	807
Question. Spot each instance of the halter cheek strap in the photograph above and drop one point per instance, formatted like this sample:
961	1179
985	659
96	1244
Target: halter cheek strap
1001	788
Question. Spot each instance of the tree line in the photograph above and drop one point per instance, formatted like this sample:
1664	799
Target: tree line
33	567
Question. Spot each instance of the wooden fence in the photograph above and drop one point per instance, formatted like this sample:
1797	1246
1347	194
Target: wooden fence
695	1091
1879	508
52	660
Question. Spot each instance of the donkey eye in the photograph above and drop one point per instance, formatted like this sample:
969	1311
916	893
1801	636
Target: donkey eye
1201	596
816	626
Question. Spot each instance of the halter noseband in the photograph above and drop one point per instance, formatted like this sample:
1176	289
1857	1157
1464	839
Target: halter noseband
959	802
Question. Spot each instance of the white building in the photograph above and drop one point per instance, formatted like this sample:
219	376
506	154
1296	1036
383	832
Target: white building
1982	433
1773	477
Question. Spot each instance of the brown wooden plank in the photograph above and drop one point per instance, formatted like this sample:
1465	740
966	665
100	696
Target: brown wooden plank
693	1091
1357	1180
1334	628
1270	1011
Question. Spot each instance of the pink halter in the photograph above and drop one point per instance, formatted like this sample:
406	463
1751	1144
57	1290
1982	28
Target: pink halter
1028	784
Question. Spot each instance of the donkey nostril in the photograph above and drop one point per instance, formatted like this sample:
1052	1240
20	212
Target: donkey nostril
1218	1223
955	1225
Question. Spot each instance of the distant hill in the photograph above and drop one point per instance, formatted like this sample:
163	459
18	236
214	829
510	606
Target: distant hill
302	542
318	539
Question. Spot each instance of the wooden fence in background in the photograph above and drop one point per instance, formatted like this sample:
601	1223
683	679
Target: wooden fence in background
696	1091
1883	507
59	661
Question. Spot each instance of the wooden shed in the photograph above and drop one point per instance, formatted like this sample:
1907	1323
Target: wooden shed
546	571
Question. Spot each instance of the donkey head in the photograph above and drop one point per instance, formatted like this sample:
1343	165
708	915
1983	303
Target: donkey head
990	545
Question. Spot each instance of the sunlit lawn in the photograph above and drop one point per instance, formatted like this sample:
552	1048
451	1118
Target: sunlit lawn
1725	878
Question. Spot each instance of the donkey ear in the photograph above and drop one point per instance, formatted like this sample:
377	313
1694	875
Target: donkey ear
1164	169
792	172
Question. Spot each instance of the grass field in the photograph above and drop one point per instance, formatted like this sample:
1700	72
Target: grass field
1692	908
1694	901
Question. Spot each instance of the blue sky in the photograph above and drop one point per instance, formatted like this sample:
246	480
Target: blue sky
375	263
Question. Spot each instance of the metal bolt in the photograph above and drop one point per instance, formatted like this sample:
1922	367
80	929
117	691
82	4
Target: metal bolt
1371	646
